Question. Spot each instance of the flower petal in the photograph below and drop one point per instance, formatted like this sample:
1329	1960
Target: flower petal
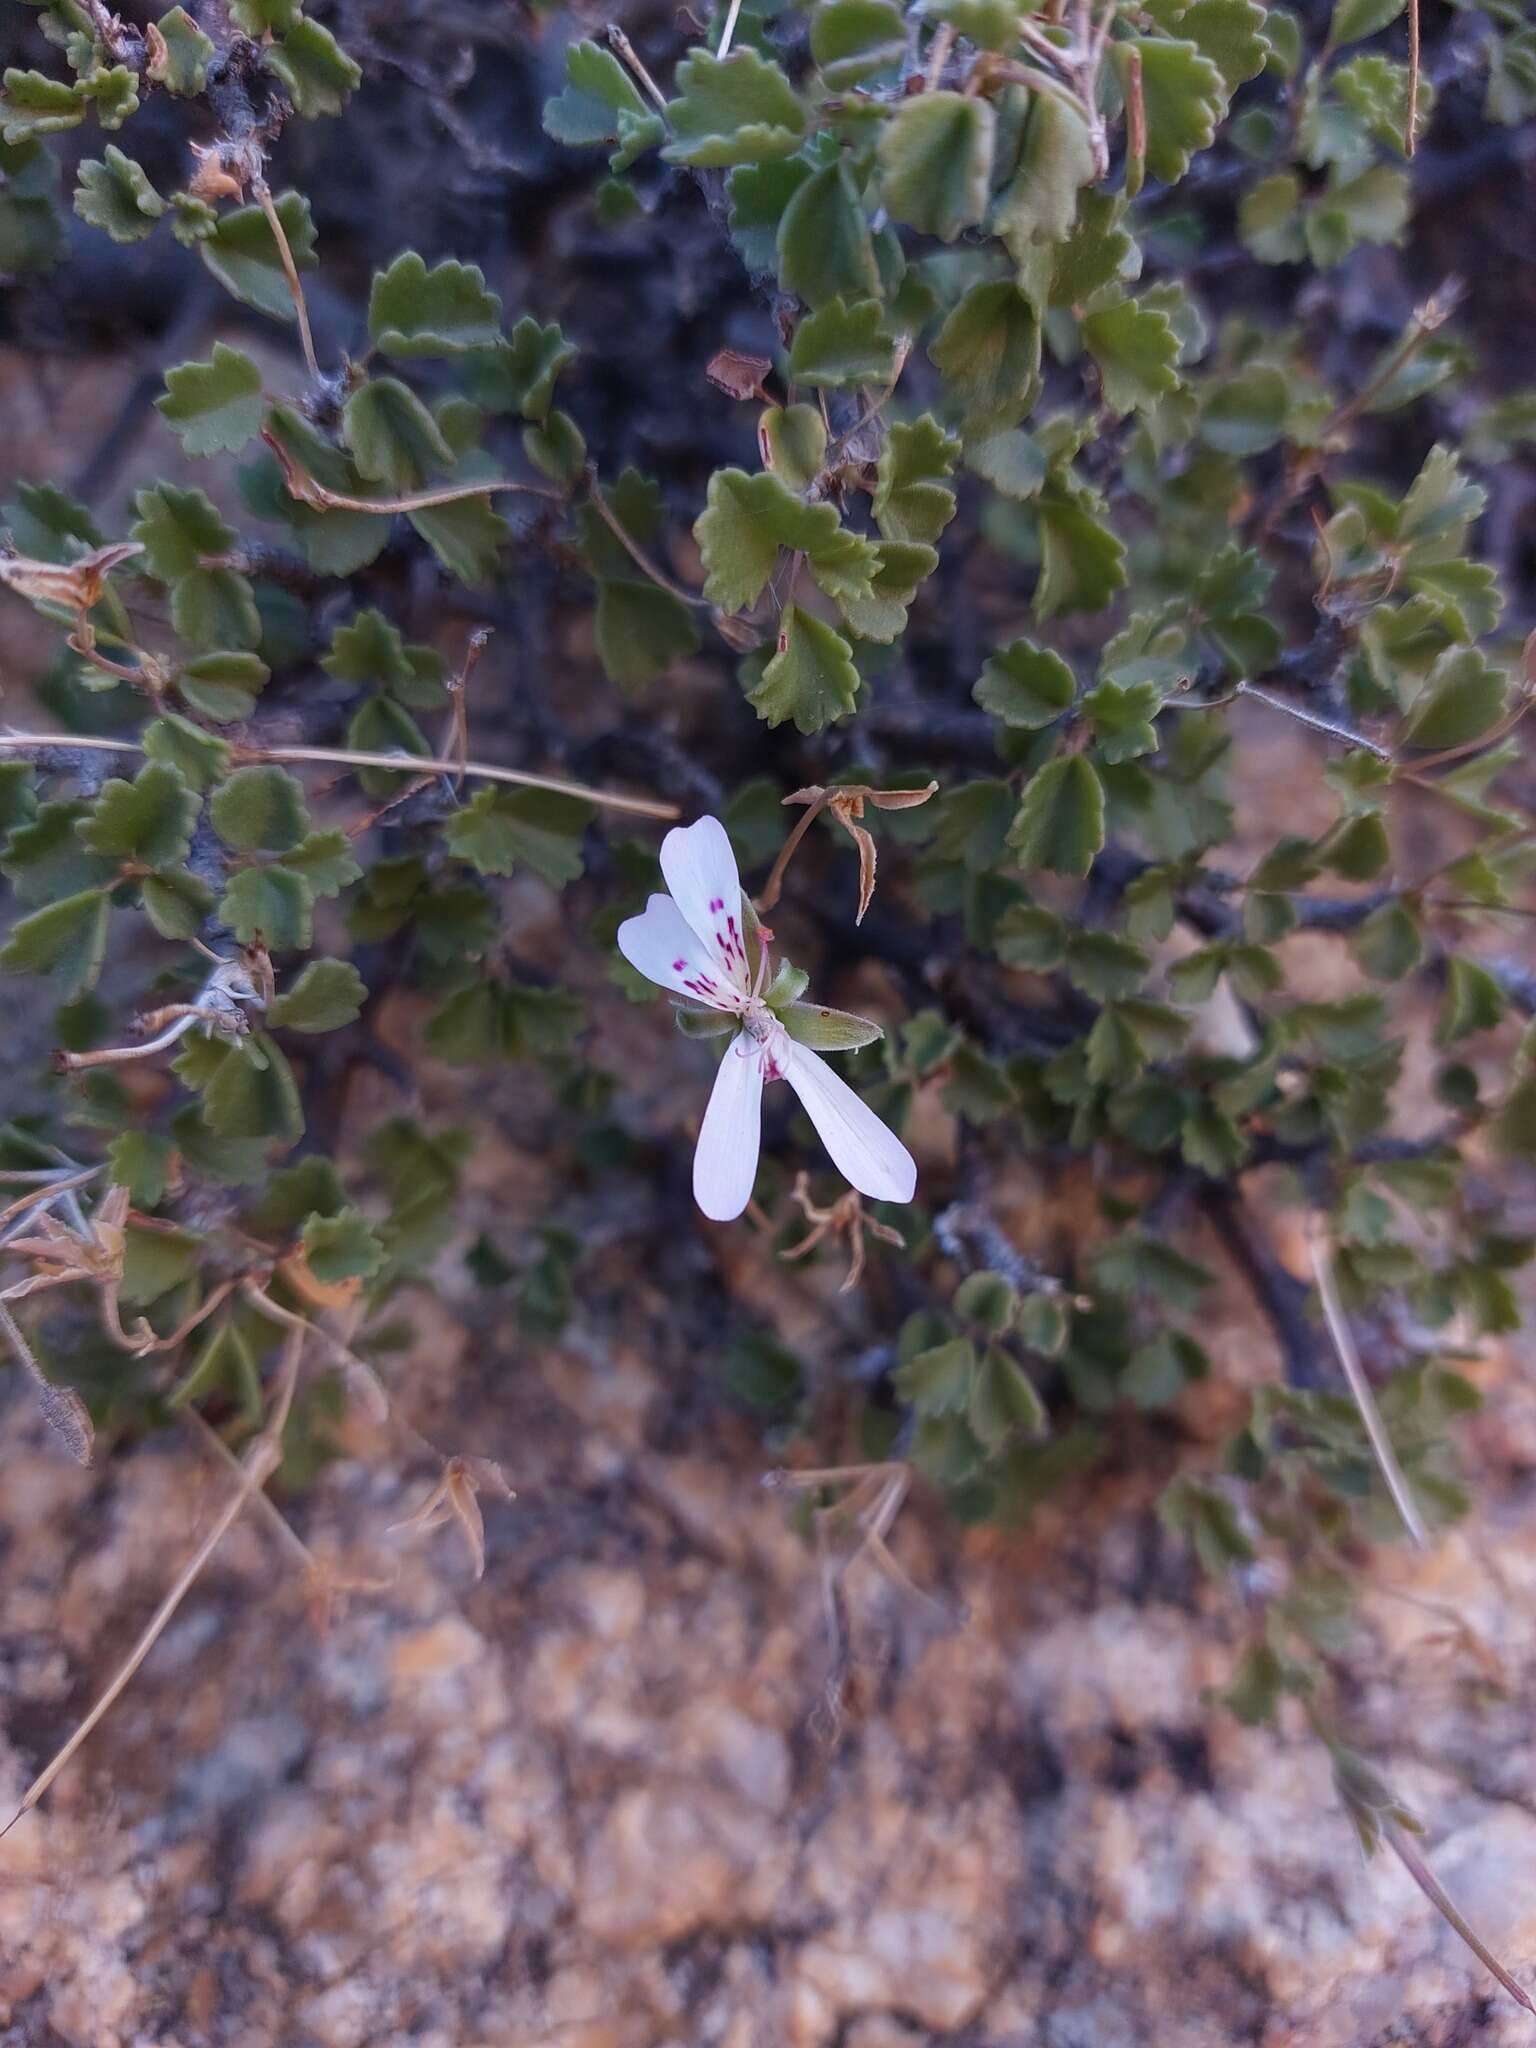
700	870
863	1150
725	1162
660	945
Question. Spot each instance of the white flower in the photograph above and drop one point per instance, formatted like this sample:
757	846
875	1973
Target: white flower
694	942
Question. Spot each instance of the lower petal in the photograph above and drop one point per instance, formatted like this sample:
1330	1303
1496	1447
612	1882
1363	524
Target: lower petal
863	1149
725	1162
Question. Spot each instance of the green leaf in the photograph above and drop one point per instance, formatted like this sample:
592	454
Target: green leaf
500	829
393	438
1358	848
1269	219
972	824
758	195
988	352
1082	563
215	608
1121	717
222	686
143	1164
315	69
1135	1265
44	857
1185	96
270	903
369	649
1246	413
149	820
243	255
938	1381
34	104
853	39
793	440
252	1093
183	66
214	407
988	1299
341	1247
600	103
1060	822
466	535
155	1261
810	679
177	529
556	448
413	311
825	249
327	995
176	902
1039	204
114	193
640	631
935	157
66	941
503	1020
1474	1001
1231	34
1103	965
519	374
114	90
1137	353
841	345
1389	944
260	810
882	615
325	860
745	522
741	110
1373	207
1004	1403
1354	20
913	500
1463	698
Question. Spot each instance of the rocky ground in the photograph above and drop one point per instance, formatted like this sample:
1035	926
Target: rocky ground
617	1794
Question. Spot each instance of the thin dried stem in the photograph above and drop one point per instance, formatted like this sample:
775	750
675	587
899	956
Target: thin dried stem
256	1468
60	1407
938	55
309	490
732	13
641	807
1411	137
1440	1899
637	554
1392	1473
1327	726
775	882
626	53
290	271
57	1184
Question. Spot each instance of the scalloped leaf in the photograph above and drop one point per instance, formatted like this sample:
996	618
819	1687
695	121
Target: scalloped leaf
824	245
1026	686
414	311
115	194
1137	354
843	344
148	820
600	103
913	500
393	438
1060	821
737	110
214	408
327	995
1185	96
988	352
810	678
181	62
935	158
317	72
241	252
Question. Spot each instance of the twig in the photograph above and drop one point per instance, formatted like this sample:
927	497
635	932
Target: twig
938	56
1438	1897
724	49
56	1184
1359	1386
1411	138
257	1466
308	491
1327	726
642	807
290	271
625	51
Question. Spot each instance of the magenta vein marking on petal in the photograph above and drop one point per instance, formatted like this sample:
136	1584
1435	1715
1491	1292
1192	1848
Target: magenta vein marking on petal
678	966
